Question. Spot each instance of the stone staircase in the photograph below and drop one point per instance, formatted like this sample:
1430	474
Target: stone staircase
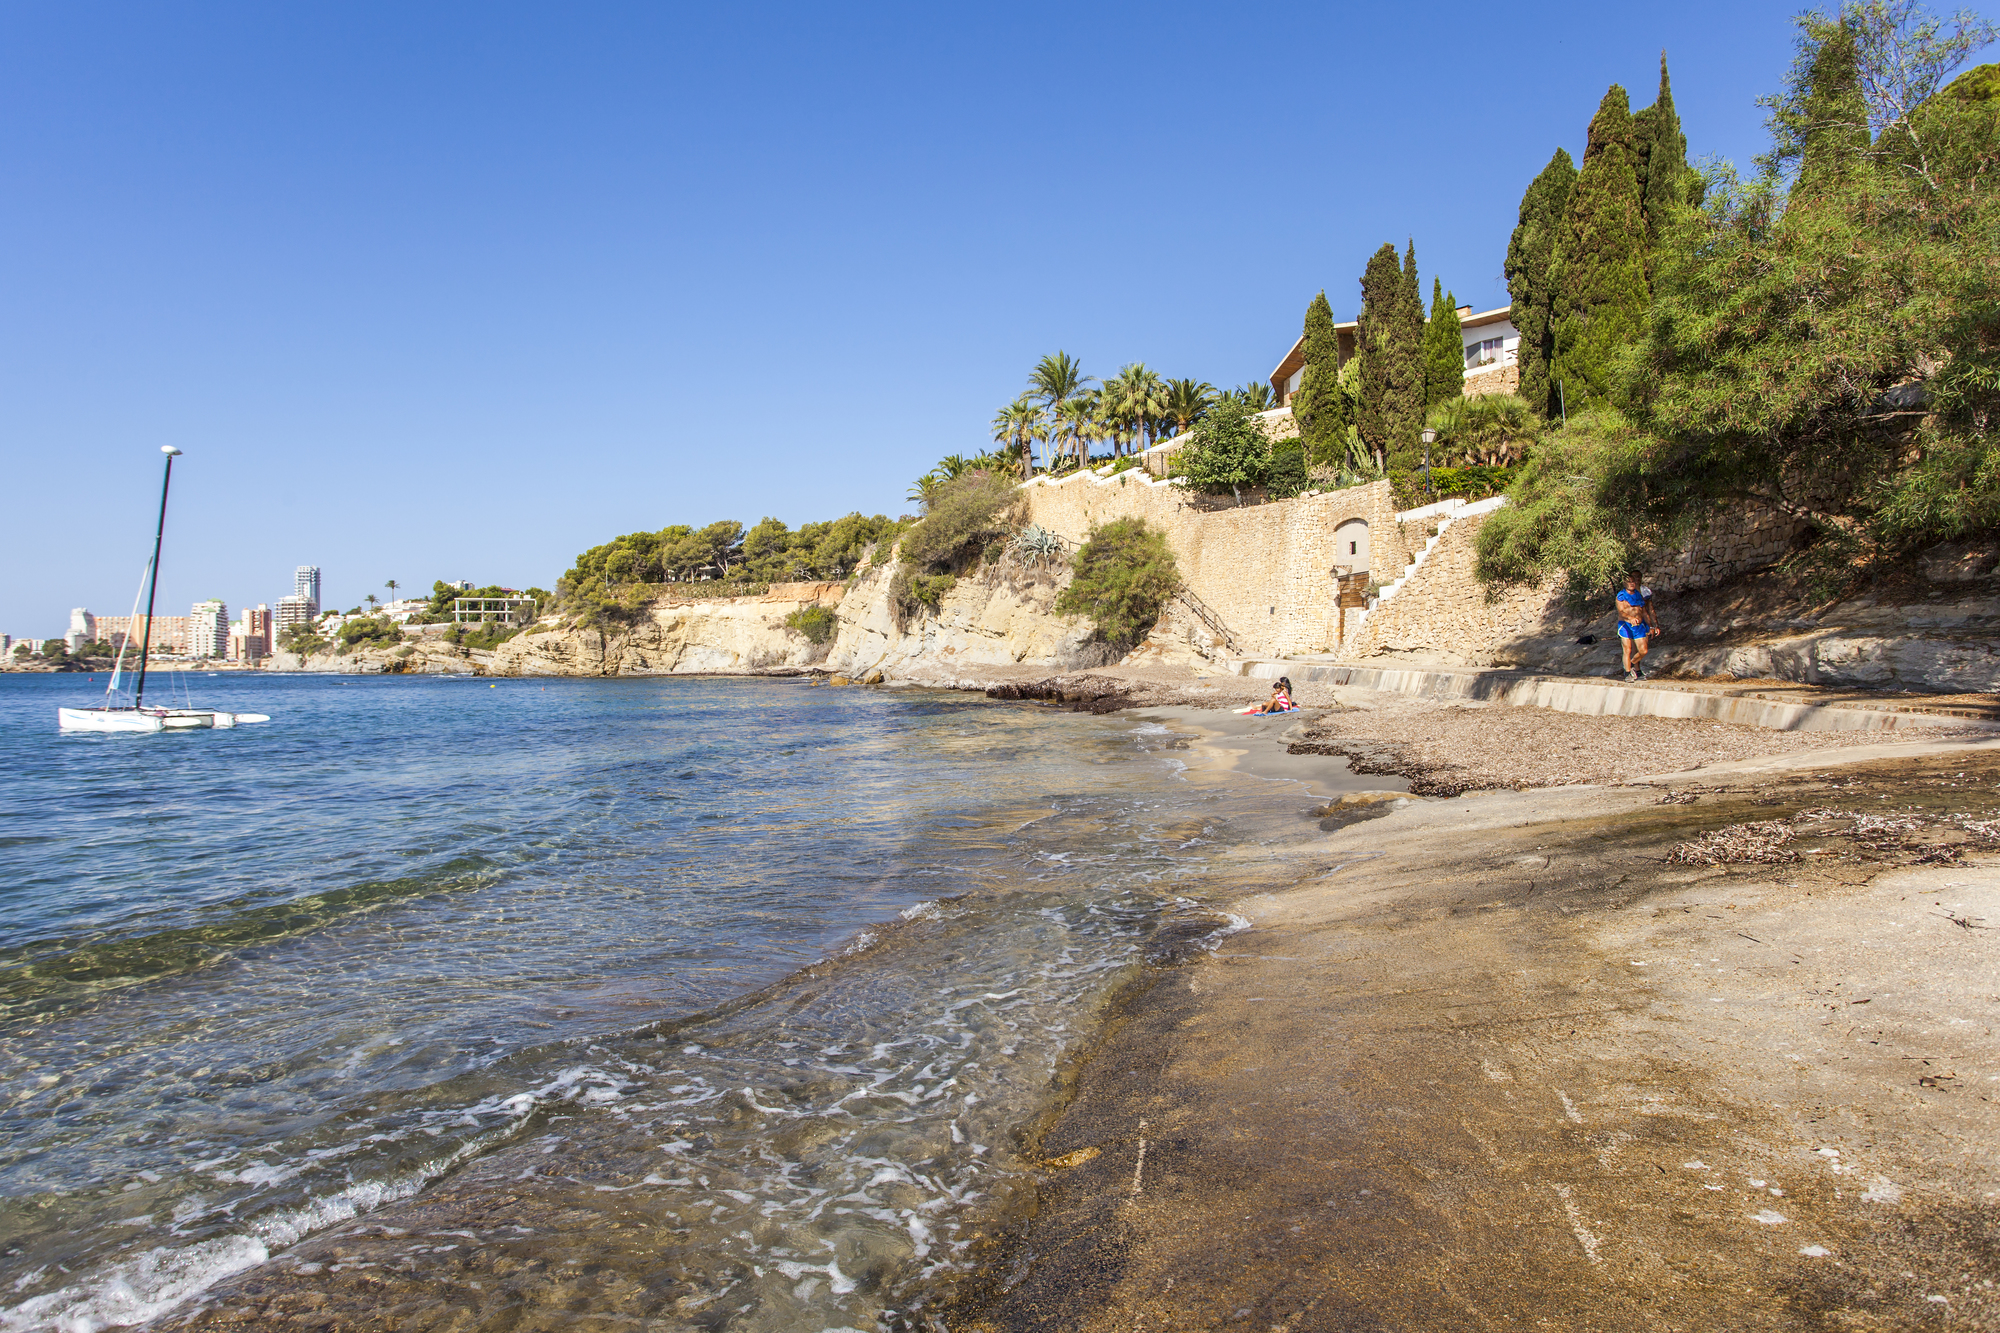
1446	513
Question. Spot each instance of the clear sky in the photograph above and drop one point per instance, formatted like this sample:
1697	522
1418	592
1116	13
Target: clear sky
457	290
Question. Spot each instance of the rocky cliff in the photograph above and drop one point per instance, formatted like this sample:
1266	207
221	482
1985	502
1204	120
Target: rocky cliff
1000	615
721	635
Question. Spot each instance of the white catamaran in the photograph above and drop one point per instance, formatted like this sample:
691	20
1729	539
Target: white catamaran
135	716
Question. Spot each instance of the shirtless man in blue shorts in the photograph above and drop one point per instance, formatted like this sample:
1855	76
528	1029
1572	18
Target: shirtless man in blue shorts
1636	625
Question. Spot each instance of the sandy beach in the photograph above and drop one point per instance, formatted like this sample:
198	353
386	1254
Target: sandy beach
1714	1051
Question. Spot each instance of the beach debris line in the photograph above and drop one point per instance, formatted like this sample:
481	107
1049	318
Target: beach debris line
1923	837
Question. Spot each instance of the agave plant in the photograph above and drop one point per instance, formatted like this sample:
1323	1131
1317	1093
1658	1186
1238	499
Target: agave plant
1036	542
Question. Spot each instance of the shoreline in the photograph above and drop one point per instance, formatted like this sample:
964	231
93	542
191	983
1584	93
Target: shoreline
1500	1059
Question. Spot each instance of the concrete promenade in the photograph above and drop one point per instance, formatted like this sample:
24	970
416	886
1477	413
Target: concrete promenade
1781	705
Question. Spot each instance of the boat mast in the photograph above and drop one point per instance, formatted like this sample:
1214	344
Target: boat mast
153	579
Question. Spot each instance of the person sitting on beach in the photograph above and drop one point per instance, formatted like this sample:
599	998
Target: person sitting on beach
1636	625
1281	697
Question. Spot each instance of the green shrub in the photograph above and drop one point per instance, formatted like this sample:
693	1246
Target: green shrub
1287	475
965	515
1124	574
817	624
365	632
1555	520
1226	451
1476	482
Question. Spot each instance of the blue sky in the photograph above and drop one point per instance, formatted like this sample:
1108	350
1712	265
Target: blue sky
458	290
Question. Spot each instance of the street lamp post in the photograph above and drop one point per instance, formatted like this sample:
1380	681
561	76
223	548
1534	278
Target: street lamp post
1430	438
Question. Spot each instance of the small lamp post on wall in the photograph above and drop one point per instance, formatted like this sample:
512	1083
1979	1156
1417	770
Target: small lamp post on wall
1430	438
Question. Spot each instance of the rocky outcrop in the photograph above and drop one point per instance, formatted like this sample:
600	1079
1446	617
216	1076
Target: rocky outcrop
418	657
1001	615
716	636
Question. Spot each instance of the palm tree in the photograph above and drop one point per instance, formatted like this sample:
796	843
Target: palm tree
1016	427
1138	395
371	599
953	466
1078	425
926	490
1188	401
1256	395
392	585
1055	380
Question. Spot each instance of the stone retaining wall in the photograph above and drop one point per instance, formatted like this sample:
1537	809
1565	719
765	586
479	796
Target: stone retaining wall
1268	570
1734	543
1442	615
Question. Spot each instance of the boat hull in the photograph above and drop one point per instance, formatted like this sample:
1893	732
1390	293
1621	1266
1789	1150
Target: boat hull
187	719
108	719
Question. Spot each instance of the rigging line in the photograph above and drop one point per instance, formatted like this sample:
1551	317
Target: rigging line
119	666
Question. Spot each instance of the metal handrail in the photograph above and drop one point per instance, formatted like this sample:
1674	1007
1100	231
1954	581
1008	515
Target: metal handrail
1207	616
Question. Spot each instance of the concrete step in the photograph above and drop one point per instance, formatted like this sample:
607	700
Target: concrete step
1596	697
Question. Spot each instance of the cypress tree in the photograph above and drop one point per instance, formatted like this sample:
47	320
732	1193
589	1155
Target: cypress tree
1543	209
1404	409
1598	274
1319	405
1444	350
1832	134
1381	302
1665	180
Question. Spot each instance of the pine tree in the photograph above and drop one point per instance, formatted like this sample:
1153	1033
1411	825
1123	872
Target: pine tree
1543	209
1319	406
1598	273
1375	343
1444	350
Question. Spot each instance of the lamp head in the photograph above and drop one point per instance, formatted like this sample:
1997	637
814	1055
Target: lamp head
1430	435
170	451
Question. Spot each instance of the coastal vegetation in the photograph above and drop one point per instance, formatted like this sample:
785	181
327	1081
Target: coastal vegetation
614	582
966	522
1068	413
816	624
1229	451
1817	339
1124	574
367	632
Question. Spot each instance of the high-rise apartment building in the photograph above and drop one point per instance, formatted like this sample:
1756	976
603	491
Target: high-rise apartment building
82	629
169	632
305	583
250	638
208	629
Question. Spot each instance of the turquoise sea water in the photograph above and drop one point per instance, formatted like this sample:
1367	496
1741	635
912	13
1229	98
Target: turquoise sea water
257	983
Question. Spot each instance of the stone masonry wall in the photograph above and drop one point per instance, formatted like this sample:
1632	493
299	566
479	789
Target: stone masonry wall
1441	615
1268	570
1493	379
1735	543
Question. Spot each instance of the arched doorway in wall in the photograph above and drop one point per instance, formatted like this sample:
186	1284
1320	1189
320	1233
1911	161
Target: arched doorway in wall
1350	546
1350	572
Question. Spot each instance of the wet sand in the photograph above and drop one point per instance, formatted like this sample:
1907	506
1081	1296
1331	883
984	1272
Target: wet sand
1560	1059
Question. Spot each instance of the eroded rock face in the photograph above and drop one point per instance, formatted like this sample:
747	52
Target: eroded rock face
718	636
999	616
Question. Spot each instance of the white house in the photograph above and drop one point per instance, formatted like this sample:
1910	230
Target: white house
1492	354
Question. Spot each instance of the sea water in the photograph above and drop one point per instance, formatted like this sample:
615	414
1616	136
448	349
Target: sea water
704	1003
